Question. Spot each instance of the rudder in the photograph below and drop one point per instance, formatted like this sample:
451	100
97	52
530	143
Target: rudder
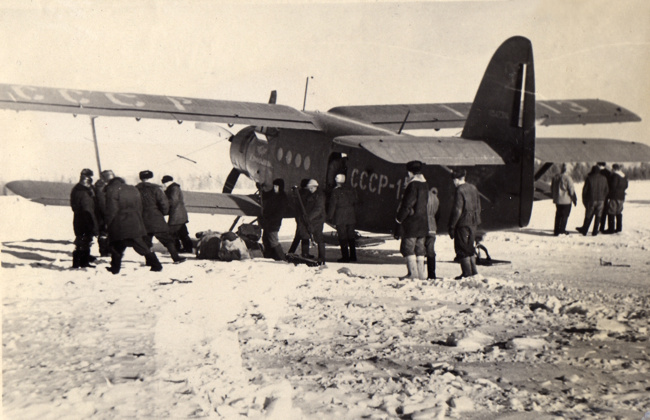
503	116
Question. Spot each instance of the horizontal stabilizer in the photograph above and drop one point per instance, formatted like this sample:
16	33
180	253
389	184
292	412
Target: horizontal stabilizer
134	105
590	150
450	151
58	194
453	115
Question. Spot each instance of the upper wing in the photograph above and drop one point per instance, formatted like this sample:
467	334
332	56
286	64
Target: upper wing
430	150
58	194
151	106
453	115
590	150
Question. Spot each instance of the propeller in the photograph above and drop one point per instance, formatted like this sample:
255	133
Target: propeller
231	181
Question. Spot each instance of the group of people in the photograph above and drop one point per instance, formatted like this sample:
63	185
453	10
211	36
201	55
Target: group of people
312	208
603	196
122	216
417	217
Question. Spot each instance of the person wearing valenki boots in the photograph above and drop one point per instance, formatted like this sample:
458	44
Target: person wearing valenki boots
433	214
125	225
82	201
275	204
617	186
154	206
341	212
413	221
465	218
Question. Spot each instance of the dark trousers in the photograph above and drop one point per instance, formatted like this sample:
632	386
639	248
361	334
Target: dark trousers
430	245
562	212
139	245
182	238
593	210
464	241
347	242
168	241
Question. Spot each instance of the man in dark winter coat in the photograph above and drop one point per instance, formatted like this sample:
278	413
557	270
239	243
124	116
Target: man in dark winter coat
341	212
154	207
177	215
607	174
125	225
617	186
274	205
433	214
82	201
312	221
413	220
594	193
100	195
465	218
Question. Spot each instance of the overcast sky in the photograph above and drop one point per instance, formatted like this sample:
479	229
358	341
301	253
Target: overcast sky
357	53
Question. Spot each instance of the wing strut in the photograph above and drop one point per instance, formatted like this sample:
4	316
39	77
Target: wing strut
92	125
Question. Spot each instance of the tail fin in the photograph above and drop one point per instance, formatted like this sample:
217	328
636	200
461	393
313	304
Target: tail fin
503	116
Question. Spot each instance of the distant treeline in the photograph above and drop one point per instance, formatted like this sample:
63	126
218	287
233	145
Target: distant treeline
579	171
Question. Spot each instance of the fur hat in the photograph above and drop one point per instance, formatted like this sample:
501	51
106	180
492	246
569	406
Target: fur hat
146	175
312	183
339	178
279	182
167	178
458	174
87	172
107	175
414	167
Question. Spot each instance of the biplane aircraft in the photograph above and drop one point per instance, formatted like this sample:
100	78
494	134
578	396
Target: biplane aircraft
498	147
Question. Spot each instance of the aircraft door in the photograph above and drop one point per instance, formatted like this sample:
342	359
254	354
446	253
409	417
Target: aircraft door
337	164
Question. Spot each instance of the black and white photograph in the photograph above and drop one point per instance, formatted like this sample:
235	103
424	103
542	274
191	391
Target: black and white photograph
290	209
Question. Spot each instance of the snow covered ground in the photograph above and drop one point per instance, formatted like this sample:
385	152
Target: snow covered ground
561	332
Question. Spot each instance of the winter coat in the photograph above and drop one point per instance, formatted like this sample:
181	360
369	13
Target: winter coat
341	208
595	188
433	204
412	213
466	210
274	206
100	200
617	186
177	210
562	189
123	211
82	201
314	208
154	207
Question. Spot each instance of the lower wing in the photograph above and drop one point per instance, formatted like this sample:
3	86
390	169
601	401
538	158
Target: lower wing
58	194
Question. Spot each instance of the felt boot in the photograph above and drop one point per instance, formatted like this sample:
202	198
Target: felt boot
278	254
116	263
152	261
466	267
353	251
472	265
412	266
422	271
431	267
345	254
619	222
76	259
84	259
